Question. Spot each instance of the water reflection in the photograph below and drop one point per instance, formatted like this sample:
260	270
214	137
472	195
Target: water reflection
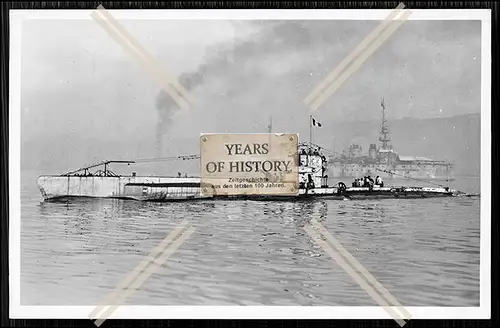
251	253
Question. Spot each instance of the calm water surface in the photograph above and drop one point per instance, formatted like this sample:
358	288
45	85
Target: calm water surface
425	252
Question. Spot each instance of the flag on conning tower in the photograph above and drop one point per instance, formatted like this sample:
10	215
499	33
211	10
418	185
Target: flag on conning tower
314	122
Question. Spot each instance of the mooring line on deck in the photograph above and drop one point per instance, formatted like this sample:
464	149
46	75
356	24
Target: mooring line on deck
141	272
345	260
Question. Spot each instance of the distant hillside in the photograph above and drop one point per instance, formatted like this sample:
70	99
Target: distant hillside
456	138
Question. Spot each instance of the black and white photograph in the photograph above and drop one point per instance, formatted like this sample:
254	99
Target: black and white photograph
278	164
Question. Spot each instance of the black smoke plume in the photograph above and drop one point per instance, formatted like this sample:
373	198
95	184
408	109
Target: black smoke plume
167	107
225	64
268	72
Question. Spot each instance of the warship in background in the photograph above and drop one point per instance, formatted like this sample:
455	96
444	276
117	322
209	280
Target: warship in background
312	170
386	163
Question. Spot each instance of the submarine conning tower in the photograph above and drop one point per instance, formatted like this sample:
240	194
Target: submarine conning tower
312	167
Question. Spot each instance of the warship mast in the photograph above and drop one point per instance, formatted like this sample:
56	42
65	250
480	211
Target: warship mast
384	130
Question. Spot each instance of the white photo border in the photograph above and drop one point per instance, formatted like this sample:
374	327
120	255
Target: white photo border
18	311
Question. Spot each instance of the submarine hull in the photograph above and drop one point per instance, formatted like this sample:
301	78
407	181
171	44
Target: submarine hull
165	189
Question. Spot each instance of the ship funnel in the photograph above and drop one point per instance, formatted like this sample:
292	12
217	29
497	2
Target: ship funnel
372	151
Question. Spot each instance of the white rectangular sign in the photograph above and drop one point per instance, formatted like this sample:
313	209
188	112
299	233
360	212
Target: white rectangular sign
249	164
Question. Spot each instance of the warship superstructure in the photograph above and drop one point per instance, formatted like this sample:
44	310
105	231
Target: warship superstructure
385	162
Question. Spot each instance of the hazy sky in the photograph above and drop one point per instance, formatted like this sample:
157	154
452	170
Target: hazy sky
78	82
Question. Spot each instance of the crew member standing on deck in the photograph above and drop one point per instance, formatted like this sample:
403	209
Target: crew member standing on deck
370	182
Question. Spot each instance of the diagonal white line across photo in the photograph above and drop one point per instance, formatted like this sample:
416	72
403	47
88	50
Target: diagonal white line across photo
131	289
126	281
361	53
135	278
352	260
150	64
360	48
345	260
